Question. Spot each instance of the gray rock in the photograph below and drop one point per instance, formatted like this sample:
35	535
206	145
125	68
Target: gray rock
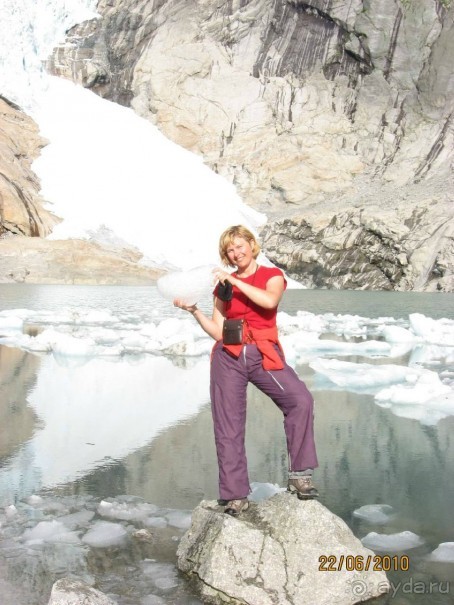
276	553
74	592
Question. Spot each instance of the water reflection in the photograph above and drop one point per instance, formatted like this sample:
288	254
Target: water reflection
90	413
142	426
18	374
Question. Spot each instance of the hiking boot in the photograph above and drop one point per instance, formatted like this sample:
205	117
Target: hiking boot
235	507
303	488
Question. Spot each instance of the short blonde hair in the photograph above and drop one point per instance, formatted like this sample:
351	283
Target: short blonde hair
229	235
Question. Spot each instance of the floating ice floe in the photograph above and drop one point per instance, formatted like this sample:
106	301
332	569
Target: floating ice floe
363	377
410	392
104	534
11	323
402	541
49	531
444	553
163	575
427	399
79	519
158	522
126	511
377	514
433	331
334	347
397	334
180	519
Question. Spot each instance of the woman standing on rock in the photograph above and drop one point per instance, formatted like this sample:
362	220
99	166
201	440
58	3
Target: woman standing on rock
247	349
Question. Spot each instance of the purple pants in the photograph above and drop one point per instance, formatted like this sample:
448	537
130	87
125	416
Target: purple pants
229	380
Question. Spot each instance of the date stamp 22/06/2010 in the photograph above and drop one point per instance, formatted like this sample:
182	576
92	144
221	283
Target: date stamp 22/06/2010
361	563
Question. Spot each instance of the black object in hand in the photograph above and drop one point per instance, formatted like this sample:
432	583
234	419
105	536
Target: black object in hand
225	291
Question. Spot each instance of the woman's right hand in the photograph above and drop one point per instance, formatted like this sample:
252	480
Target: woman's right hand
182	305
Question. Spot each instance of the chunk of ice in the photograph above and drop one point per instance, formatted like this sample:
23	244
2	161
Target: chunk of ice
428	400
159	522
189	286
397	334
443	553
104	534
163	575
11	323
49	531
433	331
374	513
404	540
179	518
126	511
80	519
11	511
363	376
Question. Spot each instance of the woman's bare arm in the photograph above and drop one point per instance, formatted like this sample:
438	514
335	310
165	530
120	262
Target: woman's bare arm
211	325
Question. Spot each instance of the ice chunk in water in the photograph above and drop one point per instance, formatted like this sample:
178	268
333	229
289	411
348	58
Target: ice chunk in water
11	511
49	531
179	518
404	540
374	513
11	323
126	511
363	376
74	347
397	334
189	286
163	575
443	553
262	491
434	331
104	534
159	522
80	519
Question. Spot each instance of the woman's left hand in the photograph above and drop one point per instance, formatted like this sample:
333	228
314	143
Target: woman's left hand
182	305
223	276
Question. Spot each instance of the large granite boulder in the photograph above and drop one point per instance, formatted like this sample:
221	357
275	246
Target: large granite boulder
277	553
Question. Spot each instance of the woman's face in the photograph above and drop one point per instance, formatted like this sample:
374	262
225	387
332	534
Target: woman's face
239	252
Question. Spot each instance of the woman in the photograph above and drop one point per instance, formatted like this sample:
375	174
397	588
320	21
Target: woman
257	358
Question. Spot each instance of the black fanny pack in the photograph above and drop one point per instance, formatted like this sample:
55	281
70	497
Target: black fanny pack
232	331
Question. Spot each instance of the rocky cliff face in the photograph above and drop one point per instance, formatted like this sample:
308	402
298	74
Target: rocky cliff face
33	259
308	107
21	210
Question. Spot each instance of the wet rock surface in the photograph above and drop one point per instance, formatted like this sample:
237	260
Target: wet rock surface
273	553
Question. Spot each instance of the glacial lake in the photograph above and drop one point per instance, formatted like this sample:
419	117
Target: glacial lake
105	417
